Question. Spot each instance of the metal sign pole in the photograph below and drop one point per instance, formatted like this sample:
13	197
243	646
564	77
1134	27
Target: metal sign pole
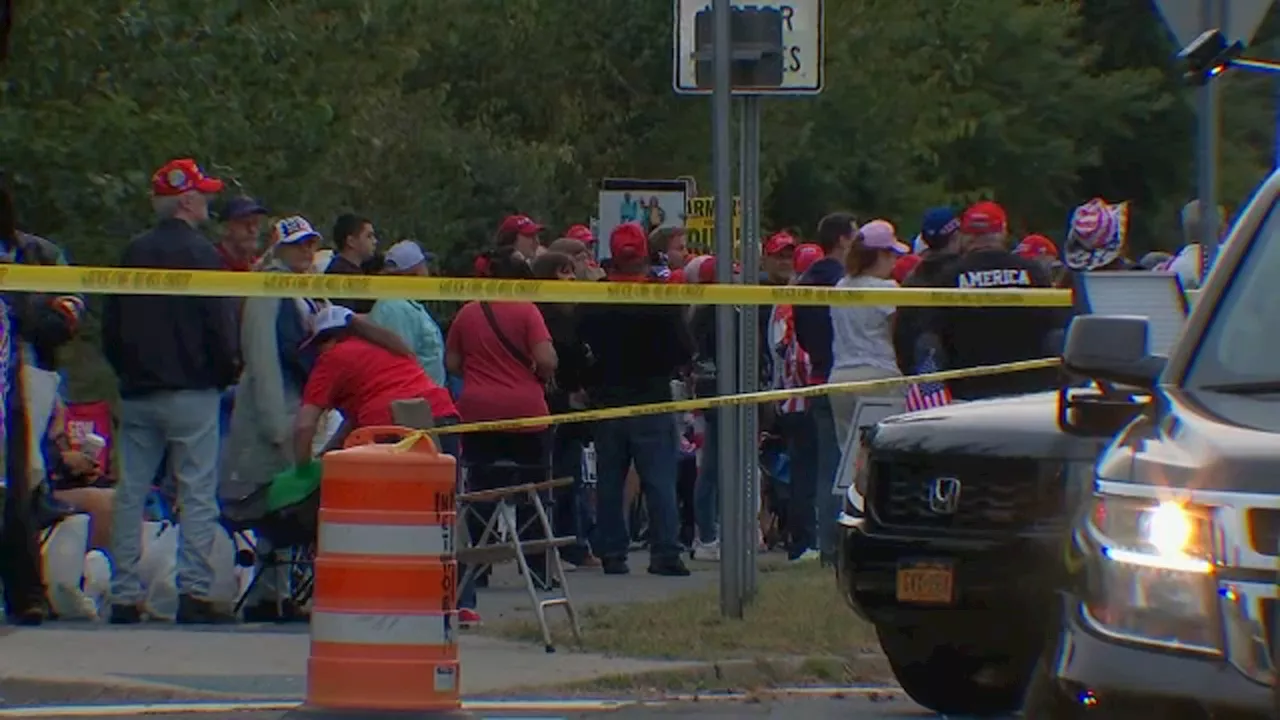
749	358
1208	128
731	595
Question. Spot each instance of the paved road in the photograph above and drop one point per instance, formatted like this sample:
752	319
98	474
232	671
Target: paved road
893	708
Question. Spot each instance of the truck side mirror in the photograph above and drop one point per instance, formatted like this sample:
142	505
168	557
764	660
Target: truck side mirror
1112	348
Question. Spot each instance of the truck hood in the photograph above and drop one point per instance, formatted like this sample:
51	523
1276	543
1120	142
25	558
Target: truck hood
1020	426
1201	440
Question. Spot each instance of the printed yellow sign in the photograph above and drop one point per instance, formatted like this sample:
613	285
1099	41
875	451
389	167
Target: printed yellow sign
700	224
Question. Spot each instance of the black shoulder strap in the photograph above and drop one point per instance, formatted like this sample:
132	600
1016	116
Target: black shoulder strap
502	337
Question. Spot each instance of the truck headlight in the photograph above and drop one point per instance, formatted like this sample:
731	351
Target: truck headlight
1156	577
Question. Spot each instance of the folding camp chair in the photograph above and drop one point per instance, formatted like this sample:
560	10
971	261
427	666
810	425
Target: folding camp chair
500	541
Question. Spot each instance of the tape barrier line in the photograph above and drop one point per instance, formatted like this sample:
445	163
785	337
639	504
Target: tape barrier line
78	279
678	406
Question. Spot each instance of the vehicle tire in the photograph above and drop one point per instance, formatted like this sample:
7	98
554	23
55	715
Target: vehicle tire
943	678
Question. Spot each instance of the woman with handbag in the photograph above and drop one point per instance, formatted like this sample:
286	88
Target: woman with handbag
505	356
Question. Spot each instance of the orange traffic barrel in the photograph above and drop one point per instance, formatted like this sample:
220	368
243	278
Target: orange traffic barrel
382	643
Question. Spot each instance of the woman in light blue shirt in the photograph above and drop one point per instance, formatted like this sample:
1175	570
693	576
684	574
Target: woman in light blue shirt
409	319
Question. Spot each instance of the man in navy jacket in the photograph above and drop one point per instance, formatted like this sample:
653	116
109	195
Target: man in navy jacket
173	357
813	331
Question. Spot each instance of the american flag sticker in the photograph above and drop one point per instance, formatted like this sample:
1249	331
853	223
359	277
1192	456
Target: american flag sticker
926	395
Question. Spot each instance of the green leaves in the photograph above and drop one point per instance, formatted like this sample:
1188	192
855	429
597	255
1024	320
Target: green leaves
437	118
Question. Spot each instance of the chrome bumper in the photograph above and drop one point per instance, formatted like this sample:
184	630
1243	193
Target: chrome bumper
1246	641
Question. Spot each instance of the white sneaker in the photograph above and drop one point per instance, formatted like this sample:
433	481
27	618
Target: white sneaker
807	556
709	552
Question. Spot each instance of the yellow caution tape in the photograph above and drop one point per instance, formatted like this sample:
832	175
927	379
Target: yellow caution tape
754	398
77	279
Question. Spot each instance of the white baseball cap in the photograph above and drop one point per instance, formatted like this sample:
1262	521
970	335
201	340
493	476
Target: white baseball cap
331	317
404	255
294	229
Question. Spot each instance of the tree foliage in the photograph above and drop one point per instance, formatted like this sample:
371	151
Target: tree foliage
437	118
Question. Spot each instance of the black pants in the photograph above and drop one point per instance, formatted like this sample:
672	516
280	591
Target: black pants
686	481
481	452
802	450
568	516
20	570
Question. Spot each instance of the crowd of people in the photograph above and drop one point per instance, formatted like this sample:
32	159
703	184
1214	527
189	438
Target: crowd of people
221	395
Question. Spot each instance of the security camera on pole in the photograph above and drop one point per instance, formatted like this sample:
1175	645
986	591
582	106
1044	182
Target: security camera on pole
749	50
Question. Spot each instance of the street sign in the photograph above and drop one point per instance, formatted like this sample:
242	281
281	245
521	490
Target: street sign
802	34
1242	18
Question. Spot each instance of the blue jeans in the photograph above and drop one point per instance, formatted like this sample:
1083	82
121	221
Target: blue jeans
185	424
706	492
802	450
828	462
650	442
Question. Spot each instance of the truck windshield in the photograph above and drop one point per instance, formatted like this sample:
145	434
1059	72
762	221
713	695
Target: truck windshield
1241	346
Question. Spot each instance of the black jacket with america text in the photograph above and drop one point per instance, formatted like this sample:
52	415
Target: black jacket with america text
971	336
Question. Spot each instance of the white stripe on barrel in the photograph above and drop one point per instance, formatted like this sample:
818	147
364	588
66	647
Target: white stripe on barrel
380	629
386	540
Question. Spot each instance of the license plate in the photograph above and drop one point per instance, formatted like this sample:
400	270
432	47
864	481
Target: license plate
932	583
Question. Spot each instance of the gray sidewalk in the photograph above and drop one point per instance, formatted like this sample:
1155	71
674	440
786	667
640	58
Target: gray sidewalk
87	662
506	596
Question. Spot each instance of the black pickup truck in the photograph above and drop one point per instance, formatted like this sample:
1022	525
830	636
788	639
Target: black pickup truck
1112	551
954	533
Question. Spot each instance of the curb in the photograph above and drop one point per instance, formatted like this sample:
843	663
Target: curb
511	705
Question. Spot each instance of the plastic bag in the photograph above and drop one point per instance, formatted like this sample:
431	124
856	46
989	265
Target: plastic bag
158	568
63	552
292	486
96	582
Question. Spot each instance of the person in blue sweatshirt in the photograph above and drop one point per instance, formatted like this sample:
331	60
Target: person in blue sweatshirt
813	331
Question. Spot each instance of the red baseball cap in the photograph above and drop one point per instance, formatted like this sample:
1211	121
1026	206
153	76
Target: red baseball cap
806	255
702	270
1036	246
903	267
181	176
707	269
983	218
628	243
581	233
779	243
520	224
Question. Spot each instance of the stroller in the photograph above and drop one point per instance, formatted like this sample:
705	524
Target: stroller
278	525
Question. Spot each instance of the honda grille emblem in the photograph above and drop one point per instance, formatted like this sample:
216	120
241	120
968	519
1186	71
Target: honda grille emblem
944	496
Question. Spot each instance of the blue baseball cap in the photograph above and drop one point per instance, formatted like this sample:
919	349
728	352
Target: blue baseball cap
242	207
938	225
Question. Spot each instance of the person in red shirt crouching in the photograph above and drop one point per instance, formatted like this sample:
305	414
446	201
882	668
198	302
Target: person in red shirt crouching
360	370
